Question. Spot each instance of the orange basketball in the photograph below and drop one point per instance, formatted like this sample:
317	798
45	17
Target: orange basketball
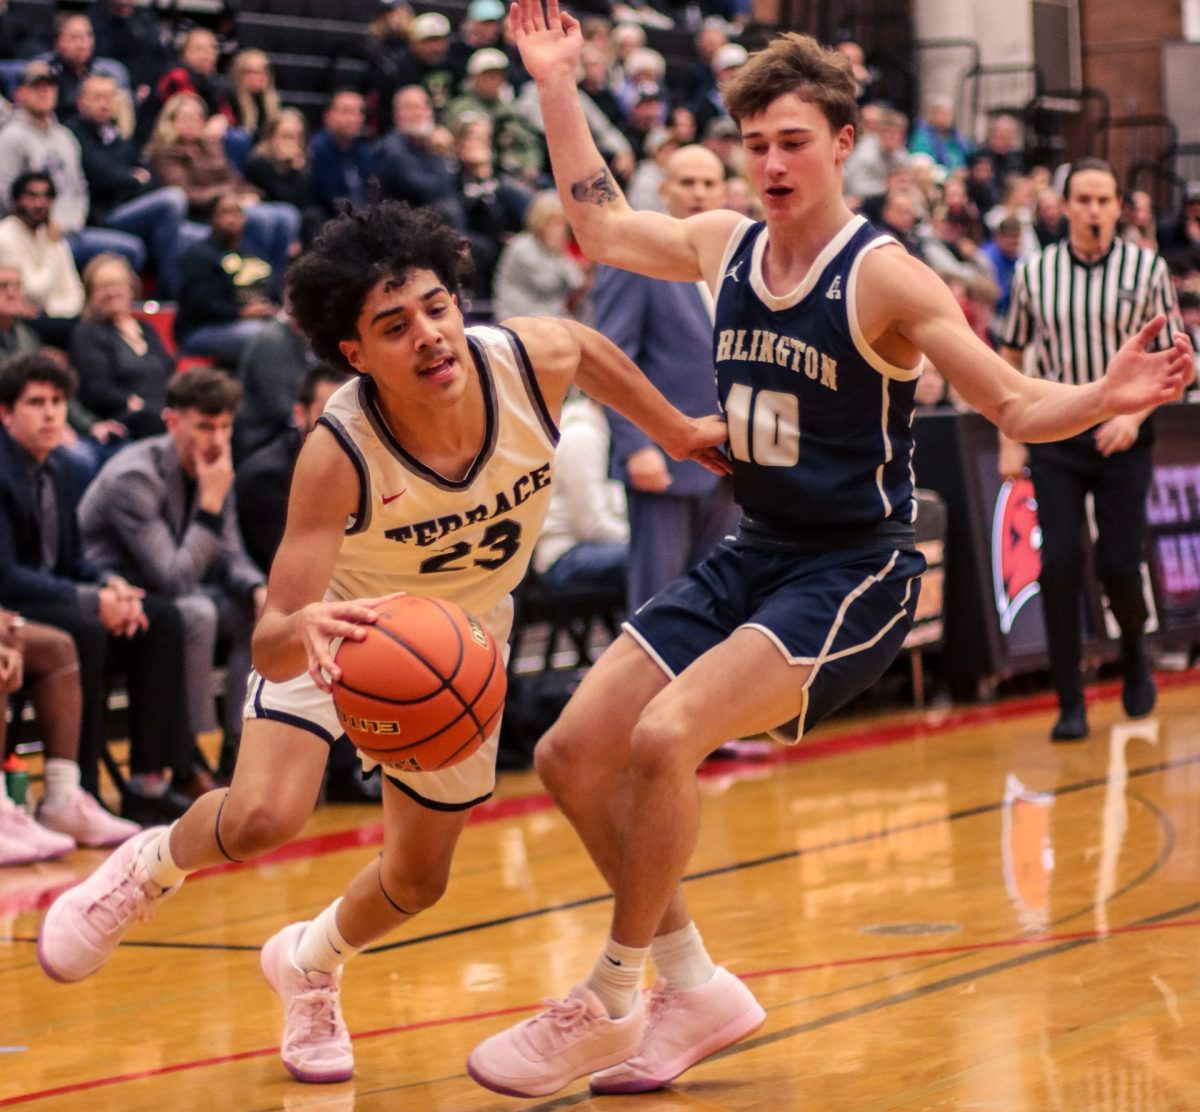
425	687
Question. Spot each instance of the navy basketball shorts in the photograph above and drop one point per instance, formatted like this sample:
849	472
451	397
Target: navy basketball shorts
844	614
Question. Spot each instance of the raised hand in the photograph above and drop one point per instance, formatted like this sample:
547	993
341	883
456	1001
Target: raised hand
549	42
1139	379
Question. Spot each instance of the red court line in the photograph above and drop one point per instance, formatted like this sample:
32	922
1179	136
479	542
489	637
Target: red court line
928	725
379	1032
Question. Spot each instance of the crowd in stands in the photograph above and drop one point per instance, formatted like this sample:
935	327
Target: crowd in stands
139	505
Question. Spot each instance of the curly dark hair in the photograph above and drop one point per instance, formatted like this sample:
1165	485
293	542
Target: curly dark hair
360	247
18	372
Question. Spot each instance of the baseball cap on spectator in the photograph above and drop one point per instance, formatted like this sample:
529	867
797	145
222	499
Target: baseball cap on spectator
730	56
487	59
38	72
429	25
1191	192
722	128
485	11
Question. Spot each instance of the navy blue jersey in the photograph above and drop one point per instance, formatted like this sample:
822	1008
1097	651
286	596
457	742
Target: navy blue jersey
820	426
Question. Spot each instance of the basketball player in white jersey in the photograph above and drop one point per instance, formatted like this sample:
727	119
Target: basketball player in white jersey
428	474
820	327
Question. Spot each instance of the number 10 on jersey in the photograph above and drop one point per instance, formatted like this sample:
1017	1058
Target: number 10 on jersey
764	426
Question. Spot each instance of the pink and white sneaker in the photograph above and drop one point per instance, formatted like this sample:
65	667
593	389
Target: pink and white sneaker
681	1029
81	817
316	1045
86	923
573	1037
26	841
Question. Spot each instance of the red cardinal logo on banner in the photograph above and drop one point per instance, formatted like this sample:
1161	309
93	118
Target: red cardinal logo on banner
1016	549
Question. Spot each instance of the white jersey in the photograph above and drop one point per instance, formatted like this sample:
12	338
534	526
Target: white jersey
467	540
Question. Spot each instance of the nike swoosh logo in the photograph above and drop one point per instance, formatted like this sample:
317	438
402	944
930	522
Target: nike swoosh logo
392	497
613	960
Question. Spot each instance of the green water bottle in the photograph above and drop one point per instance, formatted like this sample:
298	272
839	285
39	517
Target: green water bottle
16	780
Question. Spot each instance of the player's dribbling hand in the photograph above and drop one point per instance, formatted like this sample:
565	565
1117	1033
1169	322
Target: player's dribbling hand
1139	379
322	623
548	42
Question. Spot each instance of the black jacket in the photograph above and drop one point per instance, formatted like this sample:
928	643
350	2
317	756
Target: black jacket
108	167
21	576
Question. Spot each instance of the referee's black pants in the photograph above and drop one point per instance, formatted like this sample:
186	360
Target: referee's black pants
1063	473
152	661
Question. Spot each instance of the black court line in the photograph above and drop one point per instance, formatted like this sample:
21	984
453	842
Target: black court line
704	874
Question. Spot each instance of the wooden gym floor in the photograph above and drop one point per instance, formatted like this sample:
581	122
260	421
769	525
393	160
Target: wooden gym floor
938	910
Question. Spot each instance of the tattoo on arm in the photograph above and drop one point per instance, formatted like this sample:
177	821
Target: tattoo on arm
597	188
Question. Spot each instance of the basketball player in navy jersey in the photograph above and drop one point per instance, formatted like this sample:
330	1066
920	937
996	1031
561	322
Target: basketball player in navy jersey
821	324
428	474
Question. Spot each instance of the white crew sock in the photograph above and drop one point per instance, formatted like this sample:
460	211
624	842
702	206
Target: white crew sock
61	777
160	865
681	959
322	948
617	975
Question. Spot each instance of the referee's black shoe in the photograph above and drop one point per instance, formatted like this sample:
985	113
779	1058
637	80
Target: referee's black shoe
1138	692
1072	724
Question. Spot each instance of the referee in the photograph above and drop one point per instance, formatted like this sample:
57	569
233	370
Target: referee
1075	303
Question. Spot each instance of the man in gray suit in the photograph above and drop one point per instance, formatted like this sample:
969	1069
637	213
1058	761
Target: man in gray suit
677	511
160	512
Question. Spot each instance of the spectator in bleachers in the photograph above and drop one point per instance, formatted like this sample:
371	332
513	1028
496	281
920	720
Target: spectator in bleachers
183	154
128	33
644	191
1016	201
74	60
1049	221
264	478
161	513
482	28
724	138
516	147
936	135
948	248
982	186
682	125
1002	253
585	540
677	511
898	217
122	364
624	39
270	370
493	206
45	576
16	337
34	140
535	276
50	282
700	80
226	297
595	80
125	195
874	157
428	62
41	661
1137	220
642	67
414	160
611	142
961	208
726	62
1003	150
1179	233
865	78
252	92
197	75
339	155
649	111
385	51
278	168
740	197
18	39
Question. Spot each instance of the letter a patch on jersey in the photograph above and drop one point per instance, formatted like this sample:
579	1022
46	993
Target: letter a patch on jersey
834	293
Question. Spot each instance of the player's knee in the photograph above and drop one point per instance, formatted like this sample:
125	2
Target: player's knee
561	761
659	746
412	891
248	831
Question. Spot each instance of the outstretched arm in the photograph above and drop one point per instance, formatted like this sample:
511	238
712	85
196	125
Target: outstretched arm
899	295
563	351
607	229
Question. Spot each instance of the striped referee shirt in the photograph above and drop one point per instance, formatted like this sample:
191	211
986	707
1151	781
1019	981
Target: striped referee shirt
1076	315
